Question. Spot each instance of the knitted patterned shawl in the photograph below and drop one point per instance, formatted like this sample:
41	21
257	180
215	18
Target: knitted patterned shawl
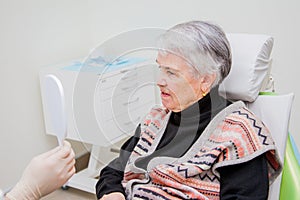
234	136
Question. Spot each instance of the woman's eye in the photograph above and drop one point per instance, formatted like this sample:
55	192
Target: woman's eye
170	72
167	71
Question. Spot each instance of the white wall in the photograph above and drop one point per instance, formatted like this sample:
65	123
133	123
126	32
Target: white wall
36	33
33	34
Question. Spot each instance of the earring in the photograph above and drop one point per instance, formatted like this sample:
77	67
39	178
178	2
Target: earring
204	93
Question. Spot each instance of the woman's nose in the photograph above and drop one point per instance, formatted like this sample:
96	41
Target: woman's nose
161	81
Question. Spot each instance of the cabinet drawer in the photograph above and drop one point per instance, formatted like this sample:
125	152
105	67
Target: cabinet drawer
124	103
125	81
123	124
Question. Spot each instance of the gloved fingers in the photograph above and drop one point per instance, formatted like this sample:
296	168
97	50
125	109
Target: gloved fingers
72	171
61	163
50	152
71	166
64	151
69	162
70	157
67	150
68	171
66	144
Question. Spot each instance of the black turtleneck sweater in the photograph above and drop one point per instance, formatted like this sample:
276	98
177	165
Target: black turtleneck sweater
243	181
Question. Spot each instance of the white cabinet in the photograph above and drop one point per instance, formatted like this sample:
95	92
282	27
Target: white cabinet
103	107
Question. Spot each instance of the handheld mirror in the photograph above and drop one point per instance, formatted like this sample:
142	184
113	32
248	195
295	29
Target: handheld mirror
55	103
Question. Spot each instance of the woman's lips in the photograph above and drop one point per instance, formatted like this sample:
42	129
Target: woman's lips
164	94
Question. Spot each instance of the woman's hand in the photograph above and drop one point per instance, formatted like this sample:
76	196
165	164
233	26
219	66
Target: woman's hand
113	196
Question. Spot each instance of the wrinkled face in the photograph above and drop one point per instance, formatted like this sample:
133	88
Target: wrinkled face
178	86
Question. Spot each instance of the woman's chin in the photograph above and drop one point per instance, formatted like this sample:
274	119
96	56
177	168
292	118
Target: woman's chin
167	104
170	106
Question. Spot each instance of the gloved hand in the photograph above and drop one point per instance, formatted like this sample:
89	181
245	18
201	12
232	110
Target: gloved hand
45	173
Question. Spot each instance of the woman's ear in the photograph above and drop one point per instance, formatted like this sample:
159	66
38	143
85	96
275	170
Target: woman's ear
206	83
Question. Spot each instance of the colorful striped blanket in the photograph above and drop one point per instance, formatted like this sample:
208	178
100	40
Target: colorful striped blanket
234	136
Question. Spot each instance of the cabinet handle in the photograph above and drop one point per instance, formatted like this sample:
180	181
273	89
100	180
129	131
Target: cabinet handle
124	70
130	87
130	102
130	76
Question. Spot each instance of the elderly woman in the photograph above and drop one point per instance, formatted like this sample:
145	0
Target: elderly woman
198	145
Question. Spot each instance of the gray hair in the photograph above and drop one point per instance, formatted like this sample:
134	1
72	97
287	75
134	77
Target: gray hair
203	45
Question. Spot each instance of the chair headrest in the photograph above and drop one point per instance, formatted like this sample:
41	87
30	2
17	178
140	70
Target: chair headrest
251	60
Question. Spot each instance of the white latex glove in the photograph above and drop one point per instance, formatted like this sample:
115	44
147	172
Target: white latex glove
45	173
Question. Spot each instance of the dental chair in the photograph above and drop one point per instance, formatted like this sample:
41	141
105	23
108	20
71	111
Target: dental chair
250	81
